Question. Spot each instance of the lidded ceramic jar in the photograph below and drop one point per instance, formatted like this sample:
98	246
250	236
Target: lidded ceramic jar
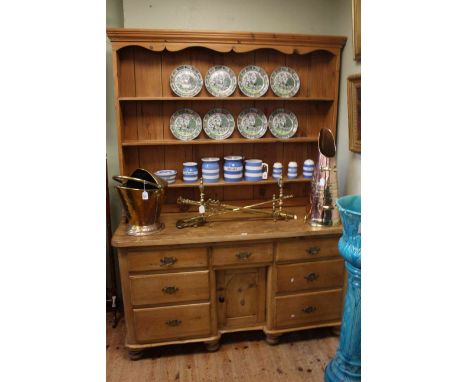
190	172
210	169
233	168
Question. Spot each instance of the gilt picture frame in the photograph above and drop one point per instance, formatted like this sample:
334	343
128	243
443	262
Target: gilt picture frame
354	112
357	29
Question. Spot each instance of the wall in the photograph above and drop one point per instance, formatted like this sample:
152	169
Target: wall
349	163
114	18
292	16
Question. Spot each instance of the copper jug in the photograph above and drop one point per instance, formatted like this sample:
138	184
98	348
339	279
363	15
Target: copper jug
324	190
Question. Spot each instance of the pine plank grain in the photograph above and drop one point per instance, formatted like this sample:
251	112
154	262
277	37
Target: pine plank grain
242	357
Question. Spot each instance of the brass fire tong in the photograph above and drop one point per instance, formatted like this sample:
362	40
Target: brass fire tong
209	208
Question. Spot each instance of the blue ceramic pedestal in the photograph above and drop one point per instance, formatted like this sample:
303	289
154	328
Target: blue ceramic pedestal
346	366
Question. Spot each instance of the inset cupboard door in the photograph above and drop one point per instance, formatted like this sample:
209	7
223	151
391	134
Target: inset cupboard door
240	297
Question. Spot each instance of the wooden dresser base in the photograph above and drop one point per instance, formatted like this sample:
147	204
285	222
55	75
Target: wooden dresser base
212	282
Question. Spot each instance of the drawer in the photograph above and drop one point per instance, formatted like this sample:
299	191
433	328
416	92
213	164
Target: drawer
172	322
243	254
307	248
308	308
150	260
169	287
310	276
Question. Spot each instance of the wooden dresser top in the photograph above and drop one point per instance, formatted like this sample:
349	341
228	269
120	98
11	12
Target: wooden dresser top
243	228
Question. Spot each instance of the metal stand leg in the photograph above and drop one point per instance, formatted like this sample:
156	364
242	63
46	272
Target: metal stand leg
115	312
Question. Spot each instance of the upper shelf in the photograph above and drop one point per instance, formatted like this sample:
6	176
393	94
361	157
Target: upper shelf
175	40
216	99
228	141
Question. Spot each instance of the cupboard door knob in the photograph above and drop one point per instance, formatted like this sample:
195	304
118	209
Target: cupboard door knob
313	250
168	261
173	322
170	289
311	276
243	255
221	299
309	309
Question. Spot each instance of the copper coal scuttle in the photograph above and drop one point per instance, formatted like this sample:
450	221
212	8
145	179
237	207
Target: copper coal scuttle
142	195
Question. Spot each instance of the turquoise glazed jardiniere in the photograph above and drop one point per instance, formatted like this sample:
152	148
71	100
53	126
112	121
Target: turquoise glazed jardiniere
346	366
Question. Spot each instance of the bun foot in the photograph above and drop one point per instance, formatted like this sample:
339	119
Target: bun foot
336	330
135	355
212	346
272	339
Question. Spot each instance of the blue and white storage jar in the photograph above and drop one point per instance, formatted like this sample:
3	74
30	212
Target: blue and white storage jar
254	169
190	172
277	170
308	169
210	170
292	170
233	168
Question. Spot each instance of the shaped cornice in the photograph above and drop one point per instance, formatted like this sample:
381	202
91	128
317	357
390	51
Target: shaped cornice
240	42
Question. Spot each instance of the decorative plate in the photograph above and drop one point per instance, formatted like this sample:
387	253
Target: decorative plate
252	123
253	81
186	81
185	124
218	124
220	81
284	82
282	123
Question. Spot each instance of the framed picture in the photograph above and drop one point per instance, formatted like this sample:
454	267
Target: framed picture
357	29
354	112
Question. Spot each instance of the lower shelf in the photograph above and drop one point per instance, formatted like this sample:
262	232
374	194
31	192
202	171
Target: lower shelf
181	184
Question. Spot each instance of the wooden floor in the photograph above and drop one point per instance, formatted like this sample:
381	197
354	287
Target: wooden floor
242	357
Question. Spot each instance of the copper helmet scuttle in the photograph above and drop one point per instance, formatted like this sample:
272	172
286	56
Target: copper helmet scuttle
142	195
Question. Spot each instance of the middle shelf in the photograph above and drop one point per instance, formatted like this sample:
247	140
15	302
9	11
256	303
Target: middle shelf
180	184
219	99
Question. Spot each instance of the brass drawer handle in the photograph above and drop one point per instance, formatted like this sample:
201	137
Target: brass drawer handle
311	276
243	255
309	309
173	322
168	261
170	289
313	250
